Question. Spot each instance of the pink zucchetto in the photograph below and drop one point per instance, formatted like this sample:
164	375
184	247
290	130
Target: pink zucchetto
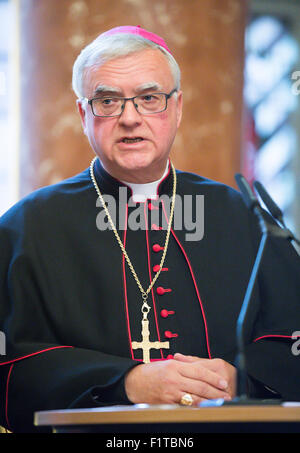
137	30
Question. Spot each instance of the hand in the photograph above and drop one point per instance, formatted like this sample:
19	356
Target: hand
220	366
165	382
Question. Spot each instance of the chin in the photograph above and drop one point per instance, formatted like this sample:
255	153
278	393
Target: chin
144	168
136	162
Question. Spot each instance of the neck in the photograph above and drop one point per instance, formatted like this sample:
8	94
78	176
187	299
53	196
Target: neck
147	188
142	191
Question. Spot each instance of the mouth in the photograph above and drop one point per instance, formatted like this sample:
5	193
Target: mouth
131	139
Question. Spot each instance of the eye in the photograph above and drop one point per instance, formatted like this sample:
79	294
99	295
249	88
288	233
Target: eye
149	98
107	101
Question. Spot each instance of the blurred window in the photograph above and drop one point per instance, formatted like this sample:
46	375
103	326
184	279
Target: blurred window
272	56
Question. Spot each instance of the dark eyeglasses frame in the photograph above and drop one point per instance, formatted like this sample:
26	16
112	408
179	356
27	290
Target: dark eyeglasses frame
167	96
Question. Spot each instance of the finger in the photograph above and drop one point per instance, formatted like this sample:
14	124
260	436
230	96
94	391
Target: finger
222	368
185	358
196	400
204	390
199	373
191	358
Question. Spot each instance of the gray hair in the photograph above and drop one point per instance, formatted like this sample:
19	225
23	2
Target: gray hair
105	48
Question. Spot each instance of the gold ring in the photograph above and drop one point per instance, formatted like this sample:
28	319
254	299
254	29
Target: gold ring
186	400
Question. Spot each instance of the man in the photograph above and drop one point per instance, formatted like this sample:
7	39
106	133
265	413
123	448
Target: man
97	311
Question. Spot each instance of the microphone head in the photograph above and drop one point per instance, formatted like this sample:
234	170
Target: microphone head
247	193
268	200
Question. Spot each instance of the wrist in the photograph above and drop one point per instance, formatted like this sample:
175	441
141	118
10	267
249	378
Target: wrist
131	383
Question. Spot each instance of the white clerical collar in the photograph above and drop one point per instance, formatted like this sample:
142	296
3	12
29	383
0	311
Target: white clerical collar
140	192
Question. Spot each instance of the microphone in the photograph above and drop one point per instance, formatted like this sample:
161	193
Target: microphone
274	209
248	196
250	199
269	202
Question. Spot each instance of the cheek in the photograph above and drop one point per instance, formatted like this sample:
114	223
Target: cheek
99	132
161	120
165	128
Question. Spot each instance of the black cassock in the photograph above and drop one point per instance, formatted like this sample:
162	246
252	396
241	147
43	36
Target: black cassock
70	307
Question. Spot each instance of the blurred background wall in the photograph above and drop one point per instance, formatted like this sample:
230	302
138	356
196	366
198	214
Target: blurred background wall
241	102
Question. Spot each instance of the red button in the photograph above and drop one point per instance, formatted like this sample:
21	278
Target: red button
169	334
157	248
155	227
165	313
157	267
160	290
151	206
170	357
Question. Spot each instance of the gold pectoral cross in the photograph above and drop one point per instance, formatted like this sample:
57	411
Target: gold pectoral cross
146	344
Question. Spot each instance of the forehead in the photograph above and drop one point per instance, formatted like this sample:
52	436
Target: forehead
127	73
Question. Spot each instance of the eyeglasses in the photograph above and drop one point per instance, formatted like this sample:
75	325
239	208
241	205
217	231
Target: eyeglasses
145	104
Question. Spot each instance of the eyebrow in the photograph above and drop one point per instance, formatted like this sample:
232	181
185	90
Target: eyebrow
154	86
106	89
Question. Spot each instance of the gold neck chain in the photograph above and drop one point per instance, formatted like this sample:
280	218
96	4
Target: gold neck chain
145	306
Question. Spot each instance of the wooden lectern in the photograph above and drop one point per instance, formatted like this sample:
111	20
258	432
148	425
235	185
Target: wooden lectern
174	419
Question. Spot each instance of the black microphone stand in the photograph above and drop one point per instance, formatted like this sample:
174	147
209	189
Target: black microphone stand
240	362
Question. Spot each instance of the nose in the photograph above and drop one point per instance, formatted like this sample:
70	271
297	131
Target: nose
130	116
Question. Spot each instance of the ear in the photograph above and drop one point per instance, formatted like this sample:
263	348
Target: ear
179	107
81	106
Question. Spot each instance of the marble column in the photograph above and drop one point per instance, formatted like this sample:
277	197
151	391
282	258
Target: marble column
207	39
